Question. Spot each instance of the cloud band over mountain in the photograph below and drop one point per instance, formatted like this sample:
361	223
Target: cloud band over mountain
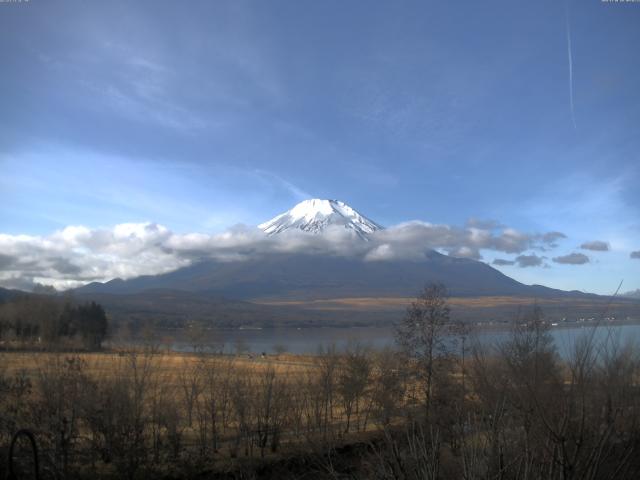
77	255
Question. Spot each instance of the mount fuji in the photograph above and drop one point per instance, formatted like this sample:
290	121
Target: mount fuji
316	215
301	285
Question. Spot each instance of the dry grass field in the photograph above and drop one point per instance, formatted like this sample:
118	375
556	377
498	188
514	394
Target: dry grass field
477	310
168	365
399	303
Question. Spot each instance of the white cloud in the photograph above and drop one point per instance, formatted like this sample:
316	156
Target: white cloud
596	245
532	260
77	255
572	259
412	238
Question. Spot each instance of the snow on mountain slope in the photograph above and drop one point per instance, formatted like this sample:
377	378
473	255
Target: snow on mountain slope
316	215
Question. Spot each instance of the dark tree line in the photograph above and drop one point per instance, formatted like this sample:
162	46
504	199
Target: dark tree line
50	321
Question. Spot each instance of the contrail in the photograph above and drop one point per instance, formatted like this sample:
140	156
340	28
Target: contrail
573	115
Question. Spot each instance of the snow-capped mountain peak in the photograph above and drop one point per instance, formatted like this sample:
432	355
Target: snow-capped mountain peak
315	215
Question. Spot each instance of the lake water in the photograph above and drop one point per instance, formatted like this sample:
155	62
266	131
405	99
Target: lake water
309	340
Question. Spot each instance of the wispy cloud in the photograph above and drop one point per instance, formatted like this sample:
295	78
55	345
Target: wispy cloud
570	62
295	191
502	262
572	259
603	199
596	246
94	189
532	260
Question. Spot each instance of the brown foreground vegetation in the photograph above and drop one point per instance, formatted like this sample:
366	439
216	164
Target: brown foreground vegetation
429	410
145	413
516	413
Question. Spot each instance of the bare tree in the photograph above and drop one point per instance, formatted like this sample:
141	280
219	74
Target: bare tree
241	396
190	385
421	336
388	388
196	336
327	365
60	382
212	397
116	412
270	402
353	379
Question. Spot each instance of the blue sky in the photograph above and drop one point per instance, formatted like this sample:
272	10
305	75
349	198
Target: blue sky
201	115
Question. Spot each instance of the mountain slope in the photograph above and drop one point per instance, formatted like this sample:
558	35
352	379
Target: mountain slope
317	215
320	276
7	294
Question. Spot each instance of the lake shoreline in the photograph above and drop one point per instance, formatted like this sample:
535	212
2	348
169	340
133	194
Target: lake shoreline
308	340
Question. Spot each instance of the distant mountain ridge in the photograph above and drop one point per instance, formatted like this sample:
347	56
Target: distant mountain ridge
8	294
